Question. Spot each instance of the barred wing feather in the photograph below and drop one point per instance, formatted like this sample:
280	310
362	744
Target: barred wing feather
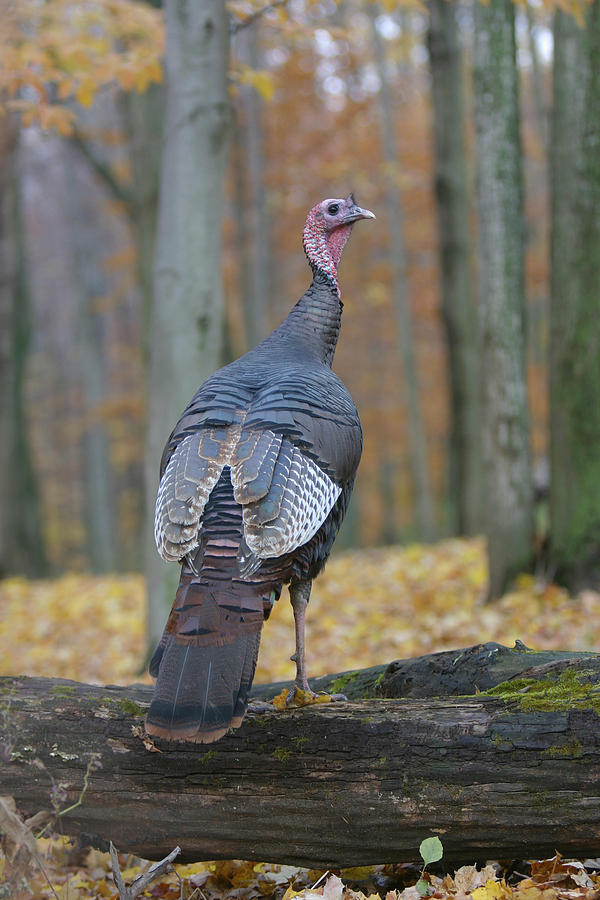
187	481
299	500
285	495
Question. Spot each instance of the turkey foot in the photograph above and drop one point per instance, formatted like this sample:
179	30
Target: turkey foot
302	694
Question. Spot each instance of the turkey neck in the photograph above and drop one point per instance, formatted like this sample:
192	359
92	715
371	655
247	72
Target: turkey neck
313	325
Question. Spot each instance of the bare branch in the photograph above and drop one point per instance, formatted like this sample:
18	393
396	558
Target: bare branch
117	189
142	881
243	23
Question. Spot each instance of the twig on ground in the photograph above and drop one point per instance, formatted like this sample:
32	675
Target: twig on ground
142	881
20	834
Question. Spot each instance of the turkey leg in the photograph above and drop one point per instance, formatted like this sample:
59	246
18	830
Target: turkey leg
299	596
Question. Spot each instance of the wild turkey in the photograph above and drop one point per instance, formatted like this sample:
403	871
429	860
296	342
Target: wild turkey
255	480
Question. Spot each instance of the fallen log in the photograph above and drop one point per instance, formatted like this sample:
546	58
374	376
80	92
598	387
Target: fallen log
445	674
514	773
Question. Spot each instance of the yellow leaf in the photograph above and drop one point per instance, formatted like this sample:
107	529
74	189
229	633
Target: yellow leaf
281	700
85	93
290	893
186	871
259	79
493	890
141	80
321	698
101	889
358	873
155	72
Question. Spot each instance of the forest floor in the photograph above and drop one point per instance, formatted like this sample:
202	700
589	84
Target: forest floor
369	607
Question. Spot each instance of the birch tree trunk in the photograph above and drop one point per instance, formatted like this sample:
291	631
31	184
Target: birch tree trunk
458	306
507	481
575	293
425	516
186	327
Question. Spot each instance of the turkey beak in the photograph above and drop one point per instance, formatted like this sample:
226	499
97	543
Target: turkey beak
355	213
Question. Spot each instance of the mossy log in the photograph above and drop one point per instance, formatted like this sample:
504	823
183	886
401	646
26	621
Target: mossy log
513	772
445	674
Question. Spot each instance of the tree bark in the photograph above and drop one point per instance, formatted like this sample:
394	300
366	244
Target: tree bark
21	539
513	775
85	245
186	329
575	325
424	505
251	205
458	304
507	480
537	77
143	118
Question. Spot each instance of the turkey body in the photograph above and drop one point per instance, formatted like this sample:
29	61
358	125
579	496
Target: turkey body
255	480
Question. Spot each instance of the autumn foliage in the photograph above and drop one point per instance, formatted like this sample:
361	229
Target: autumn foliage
316	83
369	607
88	876
63	51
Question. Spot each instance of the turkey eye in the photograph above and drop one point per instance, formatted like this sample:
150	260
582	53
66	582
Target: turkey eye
333	209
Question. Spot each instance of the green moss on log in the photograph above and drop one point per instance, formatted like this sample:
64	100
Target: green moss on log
130	707
63	690
210	754
281	754
337	686
569	691
571	749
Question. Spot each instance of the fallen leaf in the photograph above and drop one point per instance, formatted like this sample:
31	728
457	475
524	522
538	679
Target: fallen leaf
468	878
333	888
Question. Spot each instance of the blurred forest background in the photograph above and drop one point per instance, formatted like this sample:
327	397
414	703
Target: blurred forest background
471	329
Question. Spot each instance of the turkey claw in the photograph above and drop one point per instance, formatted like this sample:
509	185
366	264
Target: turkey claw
301	697
296	698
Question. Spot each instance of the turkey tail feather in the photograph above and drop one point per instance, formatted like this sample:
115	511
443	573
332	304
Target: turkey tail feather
202	691
205	661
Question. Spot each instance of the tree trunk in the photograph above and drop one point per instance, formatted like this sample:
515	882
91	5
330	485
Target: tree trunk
537	79
21	539
575	324
458	306
90	285
143	116
507	482
513	775
186	331
251	210
424	509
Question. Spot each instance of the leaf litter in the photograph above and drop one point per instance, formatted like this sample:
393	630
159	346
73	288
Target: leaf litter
93	629
369	607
